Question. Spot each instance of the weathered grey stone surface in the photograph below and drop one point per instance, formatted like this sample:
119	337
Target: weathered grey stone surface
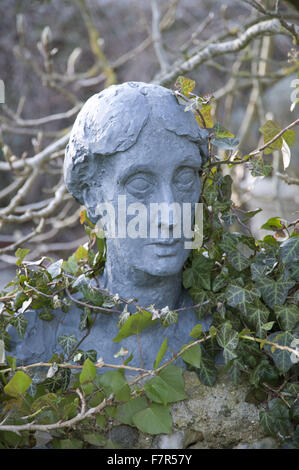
131	140
213	418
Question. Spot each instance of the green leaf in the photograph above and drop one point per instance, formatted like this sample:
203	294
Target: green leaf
220	131
274	292
97	440
156	419
67	343
268	326
290	137
70	444
168	317
196	331
228	339
269	130
264	372
237	296
258	270
287	315
92	295
127	411
55	268
101	421
20	323
81	253
114	382
161	353
290	250
223	138
207	373
192	355
256	314
274	223
21	254
71	265
281	357
134	325
89	372
201	296
185	85
260	168
167	387
18	384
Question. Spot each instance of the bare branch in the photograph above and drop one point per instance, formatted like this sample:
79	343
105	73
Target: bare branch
227	47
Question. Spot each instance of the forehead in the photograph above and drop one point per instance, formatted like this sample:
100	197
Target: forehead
156	150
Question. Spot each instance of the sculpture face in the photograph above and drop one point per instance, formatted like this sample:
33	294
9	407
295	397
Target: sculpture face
161	167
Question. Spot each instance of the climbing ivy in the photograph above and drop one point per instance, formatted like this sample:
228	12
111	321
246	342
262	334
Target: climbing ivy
250	286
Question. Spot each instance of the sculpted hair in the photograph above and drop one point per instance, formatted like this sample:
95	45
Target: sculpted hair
111	121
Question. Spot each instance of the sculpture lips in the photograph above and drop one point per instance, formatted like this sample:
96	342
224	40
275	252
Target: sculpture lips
166	242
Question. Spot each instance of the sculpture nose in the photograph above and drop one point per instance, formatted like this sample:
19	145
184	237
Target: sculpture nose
169	215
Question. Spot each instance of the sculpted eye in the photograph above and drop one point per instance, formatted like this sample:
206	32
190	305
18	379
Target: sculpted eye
185	177
138	185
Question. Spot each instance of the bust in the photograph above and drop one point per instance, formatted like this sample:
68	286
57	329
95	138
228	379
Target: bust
133	151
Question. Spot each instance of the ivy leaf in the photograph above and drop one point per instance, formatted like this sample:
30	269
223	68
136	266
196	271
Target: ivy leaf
18	384
168	317
71	265
135	324
274	223
67	343
199	274
289	250
55	269
274	292
205	112
172	375
257	314
287	315
290	137
269	130
97	440
237	296
196	331
81	253
167	387
89	372
223	138
228	339
161	353
114	382
237	260
280	413
156	419
260	168
264	372
235	370
127	411
92	295
281	357
192	355
258	270
20	323
207	373
185	85
21	254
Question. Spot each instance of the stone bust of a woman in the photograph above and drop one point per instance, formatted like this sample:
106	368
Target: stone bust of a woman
132	148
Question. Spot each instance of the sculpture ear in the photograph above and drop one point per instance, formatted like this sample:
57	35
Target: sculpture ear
90	202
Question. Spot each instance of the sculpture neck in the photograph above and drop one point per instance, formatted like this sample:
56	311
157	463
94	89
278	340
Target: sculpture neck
130	283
